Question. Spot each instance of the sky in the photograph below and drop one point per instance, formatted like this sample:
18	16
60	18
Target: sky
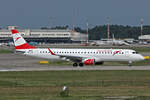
38	13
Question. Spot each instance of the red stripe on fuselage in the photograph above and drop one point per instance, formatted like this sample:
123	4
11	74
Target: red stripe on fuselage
116	52
25	46
51	52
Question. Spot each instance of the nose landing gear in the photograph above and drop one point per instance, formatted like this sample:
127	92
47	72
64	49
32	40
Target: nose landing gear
130	64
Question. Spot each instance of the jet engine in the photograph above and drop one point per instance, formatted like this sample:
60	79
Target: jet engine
89	61
92	62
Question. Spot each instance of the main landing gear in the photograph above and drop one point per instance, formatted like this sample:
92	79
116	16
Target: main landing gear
76	64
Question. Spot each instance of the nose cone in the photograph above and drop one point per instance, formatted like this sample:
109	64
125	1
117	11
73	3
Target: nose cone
142	57
138	57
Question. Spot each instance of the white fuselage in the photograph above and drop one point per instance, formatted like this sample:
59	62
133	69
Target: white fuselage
97	54
78	56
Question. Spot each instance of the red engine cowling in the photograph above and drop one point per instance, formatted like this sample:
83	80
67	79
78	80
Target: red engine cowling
89	61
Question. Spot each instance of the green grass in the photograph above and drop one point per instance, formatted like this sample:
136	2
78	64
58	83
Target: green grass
83	85
2	51
142	49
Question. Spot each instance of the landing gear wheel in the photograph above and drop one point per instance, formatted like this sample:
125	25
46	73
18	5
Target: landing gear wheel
81	64
130	64
75	64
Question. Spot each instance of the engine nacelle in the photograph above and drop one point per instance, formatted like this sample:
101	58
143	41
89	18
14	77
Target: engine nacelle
92	62
89	61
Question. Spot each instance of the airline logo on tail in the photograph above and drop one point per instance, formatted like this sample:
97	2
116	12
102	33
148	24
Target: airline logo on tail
17	38
19	41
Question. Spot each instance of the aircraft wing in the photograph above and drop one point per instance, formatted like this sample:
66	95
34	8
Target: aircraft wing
68	57
72	58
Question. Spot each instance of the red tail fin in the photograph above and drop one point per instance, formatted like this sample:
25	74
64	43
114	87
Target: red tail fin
19	41
25	46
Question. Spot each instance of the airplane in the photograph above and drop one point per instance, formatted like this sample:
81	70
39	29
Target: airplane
80	57
112	41
118	42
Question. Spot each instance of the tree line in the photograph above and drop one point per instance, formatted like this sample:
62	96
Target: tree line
119	31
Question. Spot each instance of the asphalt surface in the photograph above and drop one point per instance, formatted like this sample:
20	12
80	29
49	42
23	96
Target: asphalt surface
15	62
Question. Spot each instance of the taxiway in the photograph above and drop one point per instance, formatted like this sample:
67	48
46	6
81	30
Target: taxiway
15	62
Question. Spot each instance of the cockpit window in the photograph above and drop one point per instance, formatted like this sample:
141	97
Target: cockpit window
135	52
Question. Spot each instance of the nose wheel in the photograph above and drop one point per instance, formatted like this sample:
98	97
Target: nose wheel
130	64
